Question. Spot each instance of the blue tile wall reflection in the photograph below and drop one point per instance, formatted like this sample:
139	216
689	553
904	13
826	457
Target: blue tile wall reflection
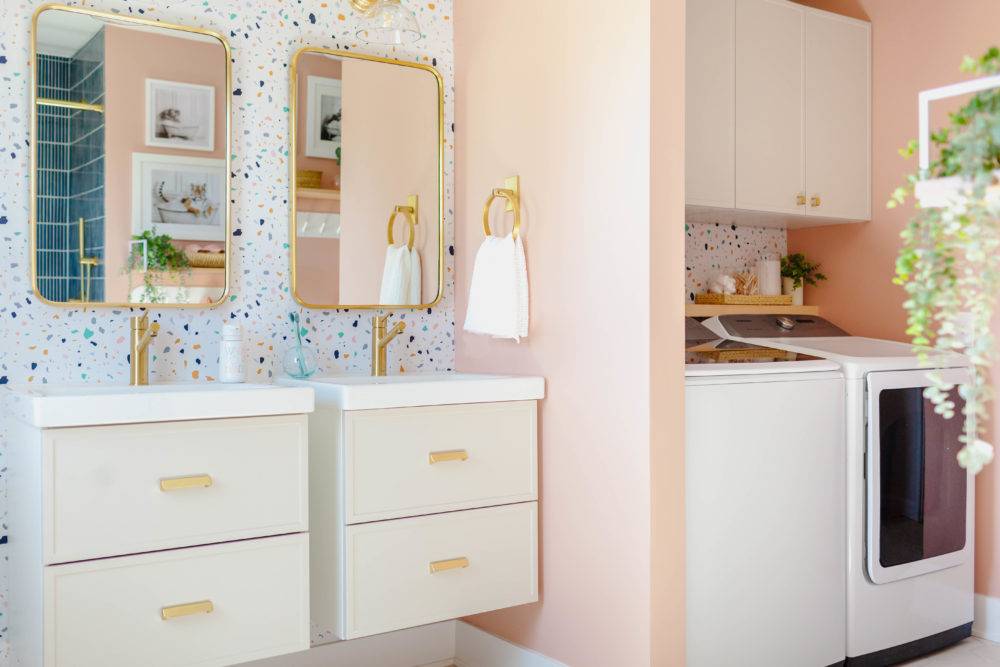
71	174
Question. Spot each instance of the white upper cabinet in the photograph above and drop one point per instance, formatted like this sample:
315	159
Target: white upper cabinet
778	113
769	142
838	116
711	124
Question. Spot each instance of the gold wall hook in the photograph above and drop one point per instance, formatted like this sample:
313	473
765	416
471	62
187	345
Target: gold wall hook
511	192
412	212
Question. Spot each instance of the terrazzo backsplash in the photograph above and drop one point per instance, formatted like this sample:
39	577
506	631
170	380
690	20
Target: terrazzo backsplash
42	344
714	248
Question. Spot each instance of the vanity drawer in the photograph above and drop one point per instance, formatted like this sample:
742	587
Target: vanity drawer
486	559
111	612
116	490
403	462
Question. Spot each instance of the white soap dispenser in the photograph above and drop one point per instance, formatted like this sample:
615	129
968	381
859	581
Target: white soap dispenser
231	354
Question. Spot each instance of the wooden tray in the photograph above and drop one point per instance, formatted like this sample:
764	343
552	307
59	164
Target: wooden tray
743	299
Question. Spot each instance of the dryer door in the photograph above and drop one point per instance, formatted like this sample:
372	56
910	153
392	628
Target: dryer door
919	500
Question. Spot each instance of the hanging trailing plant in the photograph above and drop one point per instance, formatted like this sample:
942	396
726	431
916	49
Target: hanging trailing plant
950	260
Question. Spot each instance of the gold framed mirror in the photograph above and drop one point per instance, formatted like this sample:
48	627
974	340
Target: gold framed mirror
130	161
366	157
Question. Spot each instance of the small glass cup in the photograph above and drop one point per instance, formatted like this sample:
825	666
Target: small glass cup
299	362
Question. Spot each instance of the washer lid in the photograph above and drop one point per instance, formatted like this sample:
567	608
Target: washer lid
855	354
778	326
696	333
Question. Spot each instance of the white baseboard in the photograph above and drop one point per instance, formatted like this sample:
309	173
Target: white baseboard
987	618
427	645
477	648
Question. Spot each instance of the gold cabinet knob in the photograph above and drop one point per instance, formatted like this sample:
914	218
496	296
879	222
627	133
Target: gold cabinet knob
800	199
815	201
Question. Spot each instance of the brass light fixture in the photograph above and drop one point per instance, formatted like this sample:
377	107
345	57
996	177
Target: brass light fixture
388	22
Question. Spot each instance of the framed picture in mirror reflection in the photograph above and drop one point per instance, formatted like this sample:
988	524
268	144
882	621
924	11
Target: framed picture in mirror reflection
180	115
183	197
323	117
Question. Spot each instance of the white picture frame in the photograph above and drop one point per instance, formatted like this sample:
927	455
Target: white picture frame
180	115
324	97
184	197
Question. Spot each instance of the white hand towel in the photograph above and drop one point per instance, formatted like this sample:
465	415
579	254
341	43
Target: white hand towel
401	277
498	295
416	280
395	276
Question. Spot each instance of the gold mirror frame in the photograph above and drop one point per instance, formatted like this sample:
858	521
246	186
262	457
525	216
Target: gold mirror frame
33	205
292	138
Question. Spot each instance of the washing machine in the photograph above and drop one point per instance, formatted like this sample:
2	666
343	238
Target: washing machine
765	506
909	504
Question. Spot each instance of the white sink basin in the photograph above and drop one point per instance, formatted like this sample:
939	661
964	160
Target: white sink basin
363	392
56	406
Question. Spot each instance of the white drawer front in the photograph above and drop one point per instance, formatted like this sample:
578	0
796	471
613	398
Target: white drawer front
390	584
110	612
483	454
109	490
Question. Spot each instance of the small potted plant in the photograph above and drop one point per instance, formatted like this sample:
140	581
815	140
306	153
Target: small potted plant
797	271
155	256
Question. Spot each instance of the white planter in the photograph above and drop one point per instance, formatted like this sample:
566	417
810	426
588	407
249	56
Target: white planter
786	288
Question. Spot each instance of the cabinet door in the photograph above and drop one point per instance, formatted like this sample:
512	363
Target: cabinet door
838	116
709	102
769	117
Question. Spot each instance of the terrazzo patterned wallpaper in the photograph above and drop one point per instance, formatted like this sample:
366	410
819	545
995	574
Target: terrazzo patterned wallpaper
714	248
40	344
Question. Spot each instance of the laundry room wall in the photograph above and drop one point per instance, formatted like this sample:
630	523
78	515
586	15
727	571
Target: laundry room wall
574	117
714	248
917	44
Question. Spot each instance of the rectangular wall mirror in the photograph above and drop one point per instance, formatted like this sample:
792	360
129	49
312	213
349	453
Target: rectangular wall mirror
130	169
367	226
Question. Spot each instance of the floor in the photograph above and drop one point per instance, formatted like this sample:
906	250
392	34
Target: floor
971	652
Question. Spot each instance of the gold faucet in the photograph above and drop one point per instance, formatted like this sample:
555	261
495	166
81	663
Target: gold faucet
381	338
142	333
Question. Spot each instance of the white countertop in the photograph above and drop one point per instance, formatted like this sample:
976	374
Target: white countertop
364	392
58	406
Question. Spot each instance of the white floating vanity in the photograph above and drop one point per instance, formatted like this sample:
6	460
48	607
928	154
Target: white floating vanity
423	499
164	525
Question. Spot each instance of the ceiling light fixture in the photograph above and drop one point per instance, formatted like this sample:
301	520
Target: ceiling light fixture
388	22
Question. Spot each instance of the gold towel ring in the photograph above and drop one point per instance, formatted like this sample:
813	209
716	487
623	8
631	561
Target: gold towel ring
512	197
411	215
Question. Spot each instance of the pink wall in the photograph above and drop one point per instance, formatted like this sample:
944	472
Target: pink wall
314	64
317	269
317	260
571	116
666	307
131	57
390	151
916	44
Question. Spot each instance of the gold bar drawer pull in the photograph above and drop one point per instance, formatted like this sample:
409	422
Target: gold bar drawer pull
453	564
189	609
186	482
450	455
